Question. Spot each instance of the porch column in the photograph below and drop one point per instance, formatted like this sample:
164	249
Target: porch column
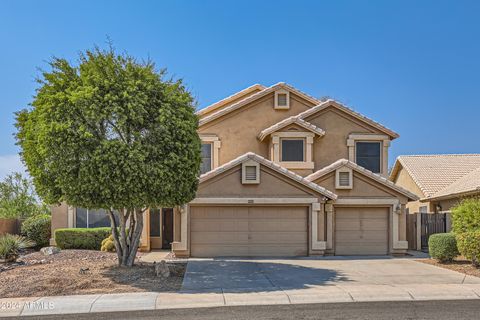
329	211
182	243
396	211
316	243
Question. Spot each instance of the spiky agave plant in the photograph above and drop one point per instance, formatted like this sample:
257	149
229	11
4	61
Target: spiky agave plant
11	245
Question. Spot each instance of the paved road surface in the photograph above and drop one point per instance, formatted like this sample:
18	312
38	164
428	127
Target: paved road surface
438	310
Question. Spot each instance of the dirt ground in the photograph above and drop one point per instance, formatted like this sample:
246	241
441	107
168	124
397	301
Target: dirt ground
459	265
60	274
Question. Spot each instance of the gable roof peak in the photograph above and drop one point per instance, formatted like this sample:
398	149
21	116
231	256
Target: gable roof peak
352	165
270	164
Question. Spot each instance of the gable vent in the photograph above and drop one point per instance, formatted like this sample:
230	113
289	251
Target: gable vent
282	99
250	173
344	179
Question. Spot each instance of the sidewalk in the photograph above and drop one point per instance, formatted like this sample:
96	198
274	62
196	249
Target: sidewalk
177	300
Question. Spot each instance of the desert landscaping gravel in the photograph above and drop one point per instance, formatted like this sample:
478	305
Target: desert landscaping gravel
81	272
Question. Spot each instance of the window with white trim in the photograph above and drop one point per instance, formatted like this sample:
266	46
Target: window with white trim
292	150
206	151
368	155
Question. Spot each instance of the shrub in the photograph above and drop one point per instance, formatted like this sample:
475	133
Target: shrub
442	246
38	229
466	216
108	244
11	245
469	246
81	238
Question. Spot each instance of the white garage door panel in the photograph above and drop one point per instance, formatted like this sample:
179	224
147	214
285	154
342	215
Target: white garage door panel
361	231
248	231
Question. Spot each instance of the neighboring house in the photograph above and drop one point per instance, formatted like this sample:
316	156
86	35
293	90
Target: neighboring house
283	174
440	181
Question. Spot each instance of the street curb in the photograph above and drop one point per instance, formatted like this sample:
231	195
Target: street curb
57	305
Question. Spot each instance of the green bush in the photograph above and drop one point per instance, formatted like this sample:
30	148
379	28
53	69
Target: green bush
442	246
81	238
469	246
466	216
38	229
10	246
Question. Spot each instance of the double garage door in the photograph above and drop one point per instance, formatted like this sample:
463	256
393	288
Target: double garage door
248	231
361	231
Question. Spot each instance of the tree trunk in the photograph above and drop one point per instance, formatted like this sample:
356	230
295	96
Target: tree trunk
127	242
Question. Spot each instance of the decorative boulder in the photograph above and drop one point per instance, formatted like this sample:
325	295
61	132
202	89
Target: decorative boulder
161	269
48	251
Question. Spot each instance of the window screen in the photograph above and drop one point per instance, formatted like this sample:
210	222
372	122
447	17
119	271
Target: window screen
206	158
81	218
368	155
155	222
292	150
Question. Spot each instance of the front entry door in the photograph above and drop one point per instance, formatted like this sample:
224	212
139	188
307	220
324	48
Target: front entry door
167	228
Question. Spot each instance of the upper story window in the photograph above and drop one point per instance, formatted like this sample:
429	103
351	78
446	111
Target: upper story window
282	99
206	158
368	155
293	150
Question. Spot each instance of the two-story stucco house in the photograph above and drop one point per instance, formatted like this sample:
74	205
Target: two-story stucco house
283	174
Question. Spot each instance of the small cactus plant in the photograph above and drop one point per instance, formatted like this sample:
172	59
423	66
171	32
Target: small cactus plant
108	245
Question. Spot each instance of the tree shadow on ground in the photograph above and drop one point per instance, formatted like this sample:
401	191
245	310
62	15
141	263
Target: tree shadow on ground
230	275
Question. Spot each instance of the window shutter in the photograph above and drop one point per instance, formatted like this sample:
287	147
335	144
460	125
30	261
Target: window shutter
250	173
344	179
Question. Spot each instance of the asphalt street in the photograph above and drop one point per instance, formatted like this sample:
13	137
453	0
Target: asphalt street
438	310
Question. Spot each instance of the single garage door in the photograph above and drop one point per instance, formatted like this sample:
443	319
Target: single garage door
248	231
361	231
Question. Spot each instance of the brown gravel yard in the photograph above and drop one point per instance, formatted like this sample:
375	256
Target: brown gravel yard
460	265
60	274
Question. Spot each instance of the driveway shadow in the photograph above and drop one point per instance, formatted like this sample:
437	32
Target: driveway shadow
229	275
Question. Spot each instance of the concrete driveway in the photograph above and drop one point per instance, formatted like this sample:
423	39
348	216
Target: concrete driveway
259	275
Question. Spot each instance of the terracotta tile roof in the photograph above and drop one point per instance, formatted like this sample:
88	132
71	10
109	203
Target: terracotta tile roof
468	184
439	174
271	165
225	101
346	163
338	105
288	121
253	97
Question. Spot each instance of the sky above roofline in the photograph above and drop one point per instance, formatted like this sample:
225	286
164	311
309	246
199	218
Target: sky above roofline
412	66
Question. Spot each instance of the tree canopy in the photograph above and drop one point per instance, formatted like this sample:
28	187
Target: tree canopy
18	198
111	132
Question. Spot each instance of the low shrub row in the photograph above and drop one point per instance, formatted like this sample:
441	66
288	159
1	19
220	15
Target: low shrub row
443	246
81	238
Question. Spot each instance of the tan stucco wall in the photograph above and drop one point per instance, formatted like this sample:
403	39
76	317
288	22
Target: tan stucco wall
337	125
272	184
238	130
59	217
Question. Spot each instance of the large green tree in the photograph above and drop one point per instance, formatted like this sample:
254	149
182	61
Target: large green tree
18	198
111	132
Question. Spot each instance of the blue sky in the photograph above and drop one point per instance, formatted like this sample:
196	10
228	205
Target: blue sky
414	66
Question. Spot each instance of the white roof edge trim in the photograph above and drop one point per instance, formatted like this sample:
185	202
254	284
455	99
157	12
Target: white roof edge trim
253	156
288	121
253	97
355	114
230	97
344	162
